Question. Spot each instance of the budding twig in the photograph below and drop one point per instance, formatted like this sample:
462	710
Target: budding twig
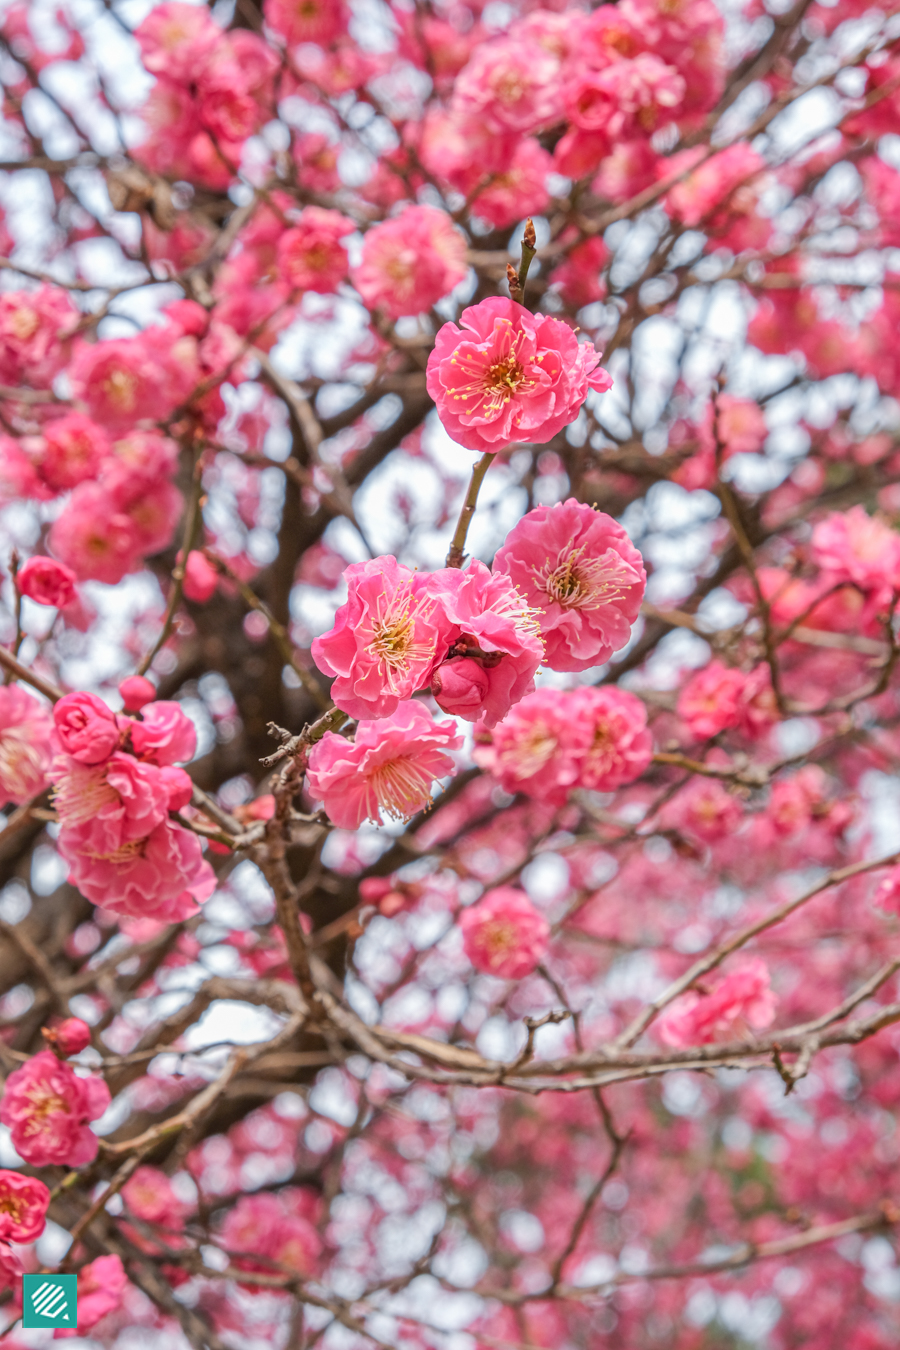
516	280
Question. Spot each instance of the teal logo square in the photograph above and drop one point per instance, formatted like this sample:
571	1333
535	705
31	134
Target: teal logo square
49	1301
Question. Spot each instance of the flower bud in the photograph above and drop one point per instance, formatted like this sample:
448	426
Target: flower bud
200	578
70	1037
460	687
136	690
86	727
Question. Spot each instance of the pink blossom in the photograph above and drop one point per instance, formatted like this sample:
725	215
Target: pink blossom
34	330
69	1037
105	809
616	743
200	578
583	575
519	189
47	1108
150	1196
176	39
318	21
101	1287
127	380
718	178
154	511
741	424
460	688
627	96
504	935
86	727
179	787
118	380
856	547
579	276
47	582
793	801
23	1207
887	892
710	702
707	811
737	1006
164	735
410	262
389	767
138	462
136	691
98	542
19	473
629	167
261	1226
73	450
487	620
536	748
316	159
160	877
310	255
510	85
518	376
385	638
461	150
27	744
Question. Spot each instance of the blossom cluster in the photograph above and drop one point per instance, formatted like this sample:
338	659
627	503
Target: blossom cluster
565	588
116	783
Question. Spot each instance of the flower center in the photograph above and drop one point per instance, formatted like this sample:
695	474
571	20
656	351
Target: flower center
119	386
577	582
44	1103
11	1204
394	643
20	762
24	323
125	853
510	87
505	377
399	788
529	755
499	938
81	794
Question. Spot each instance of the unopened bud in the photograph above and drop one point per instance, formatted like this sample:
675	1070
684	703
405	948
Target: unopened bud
70	1037
136	691
529	238
460	687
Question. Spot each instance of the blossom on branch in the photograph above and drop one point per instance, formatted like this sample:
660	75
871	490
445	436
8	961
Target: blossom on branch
739	1004
23	1207
390	766
508	375
47	1106
385	639
583	575
503	934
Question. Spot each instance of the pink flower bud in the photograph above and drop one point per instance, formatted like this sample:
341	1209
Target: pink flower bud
47	582
200	578
136	690
373	889
70	1037
460	687
86	727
